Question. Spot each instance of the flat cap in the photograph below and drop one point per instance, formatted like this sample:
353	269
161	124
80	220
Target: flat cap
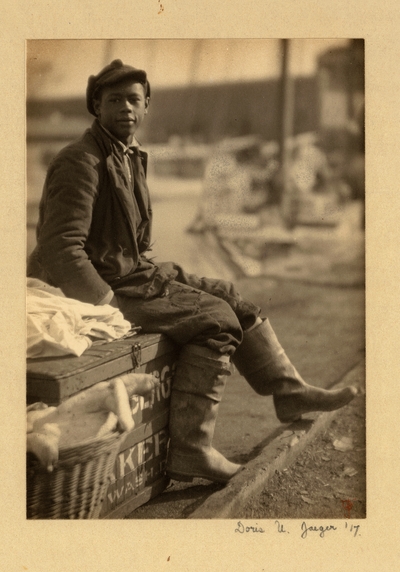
113	73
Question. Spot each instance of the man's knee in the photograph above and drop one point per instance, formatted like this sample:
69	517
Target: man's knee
222	312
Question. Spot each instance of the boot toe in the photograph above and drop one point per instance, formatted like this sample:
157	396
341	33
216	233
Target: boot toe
291	407
211	466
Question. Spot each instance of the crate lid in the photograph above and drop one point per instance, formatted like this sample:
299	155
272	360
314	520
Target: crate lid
57	368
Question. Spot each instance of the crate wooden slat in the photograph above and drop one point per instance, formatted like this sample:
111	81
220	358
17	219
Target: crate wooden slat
127	507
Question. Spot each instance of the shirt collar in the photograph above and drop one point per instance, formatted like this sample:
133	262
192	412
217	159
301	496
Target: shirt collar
127	150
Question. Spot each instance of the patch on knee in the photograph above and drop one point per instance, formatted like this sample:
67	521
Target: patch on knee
185	298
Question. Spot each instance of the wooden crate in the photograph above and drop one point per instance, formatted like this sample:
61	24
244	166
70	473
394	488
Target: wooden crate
139	471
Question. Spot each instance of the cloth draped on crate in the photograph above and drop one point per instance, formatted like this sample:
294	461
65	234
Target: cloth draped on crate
57	325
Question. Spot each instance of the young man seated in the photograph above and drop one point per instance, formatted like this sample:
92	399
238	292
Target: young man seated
92	236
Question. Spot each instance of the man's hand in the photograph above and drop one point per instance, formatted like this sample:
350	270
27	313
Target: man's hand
109	299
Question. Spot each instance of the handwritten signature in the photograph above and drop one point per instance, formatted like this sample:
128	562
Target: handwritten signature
305	529
321	529
242	529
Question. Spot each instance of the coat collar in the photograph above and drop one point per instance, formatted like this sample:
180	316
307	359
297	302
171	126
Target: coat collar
111	143
125	149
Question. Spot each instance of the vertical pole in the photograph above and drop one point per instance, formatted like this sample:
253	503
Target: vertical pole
192	112
288	204
108	51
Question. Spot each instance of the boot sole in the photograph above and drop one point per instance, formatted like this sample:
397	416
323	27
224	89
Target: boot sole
178	477
189	478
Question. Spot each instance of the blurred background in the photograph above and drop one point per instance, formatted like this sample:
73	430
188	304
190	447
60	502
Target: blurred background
256	173
257	153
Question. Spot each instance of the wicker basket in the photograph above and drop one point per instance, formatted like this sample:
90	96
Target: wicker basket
76	488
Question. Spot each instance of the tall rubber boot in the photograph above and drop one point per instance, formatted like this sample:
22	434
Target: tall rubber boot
264	364
198	385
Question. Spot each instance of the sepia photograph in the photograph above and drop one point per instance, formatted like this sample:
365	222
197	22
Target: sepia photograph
195	254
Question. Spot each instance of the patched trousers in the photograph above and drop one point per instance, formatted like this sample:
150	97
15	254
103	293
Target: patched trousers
202	311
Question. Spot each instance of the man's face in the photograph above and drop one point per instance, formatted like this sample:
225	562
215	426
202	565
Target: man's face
121	109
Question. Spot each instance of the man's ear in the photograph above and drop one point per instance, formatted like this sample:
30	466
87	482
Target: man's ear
96	107
146	104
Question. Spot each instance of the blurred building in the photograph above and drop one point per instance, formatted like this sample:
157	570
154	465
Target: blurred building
202	89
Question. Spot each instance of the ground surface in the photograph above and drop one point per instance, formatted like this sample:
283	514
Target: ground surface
326	481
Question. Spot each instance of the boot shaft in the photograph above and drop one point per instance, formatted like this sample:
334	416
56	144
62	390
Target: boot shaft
264	364
262	361
201	371
197	389
199	382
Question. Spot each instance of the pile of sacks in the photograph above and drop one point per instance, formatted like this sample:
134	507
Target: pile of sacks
92	413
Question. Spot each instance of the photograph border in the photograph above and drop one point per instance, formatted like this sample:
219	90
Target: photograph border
175	545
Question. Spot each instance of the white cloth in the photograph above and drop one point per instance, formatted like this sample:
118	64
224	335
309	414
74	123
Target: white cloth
57	325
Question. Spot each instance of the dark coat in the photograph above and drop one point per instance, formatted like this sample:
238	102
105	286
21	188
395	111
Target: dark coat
93	233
